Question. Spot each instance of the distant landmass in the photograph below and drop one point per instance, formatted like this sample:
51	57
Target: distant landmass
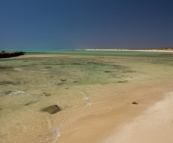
124	49
4	54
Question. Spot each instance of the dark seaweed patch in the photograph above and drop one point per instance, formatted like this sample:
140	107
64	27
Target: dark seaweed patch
76	63
47	94
107	71
27	103
123	81
119	67
7	92
128	71
6	82
6	68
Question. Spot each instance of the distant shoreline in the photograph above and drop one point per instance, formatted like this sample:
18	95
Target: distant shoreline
8	54
142	50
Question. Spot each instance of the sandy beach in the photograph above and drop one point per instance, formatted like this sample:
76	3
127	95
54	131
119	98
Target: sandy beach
148	121
104	99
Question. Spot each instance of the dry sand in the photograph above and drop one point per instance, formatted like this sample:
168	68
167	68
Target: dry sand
154	125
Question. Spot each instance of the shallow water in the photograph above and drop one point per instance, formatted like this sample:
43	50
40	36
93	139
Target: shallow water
30	83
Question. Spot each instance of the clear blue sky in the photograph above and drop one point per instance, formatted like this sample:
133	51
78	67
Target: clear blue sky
67	24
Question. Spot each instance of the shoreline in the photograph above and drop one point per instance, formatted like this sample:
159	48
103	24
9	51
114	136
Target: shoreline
88	52
142	50
112	124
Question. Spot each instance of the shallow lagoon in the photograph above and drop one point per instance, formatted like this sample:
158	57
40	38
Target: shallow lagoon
34	81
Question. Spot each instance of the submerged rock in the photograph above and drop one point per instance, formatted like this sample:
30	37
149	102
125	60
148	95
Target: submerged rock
52	109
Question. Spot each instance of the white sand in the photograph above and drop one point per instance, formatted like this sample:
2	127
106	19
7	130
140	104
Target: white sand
154	126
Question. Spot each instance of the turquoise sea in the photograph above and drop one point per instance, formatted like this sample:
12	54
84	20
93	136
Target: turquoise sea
98	52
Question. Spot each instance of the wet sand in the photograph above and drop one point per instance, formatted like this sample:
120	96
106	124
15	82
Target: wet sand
95	93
